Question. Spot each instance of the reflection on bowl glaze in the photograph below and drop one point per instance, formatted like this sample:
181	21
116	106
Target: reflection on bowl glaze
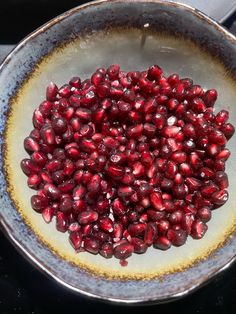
124	47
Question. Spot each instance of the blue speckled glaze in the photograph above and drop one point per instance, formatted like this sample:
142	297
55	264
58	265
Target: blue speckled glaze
17	67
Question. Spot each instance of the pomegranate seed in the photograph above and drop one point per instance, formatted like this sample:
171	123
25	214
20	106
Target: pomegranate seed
139	245
150	233
34	181
29	167
106	250
210	97
61	222
87	217
228	130
162	243
219	198
106	224
91	245
199	228
123	250
156	201
76	240
38	203
128	160
177	237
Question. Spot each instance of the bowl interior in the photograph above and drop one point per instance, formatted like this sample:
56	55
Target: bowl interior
134	48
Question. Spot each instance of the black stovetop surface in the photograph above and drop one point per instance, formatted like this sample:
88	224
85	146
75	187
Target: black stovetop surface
23	289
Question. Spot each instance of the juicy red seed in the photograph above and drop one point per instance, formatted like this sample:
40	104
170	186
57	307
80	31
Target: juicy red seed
106	224
38	203
210	97
228	130
139	245
34	181
51	92
29	167
198	230
219	198
87	217
156	200
47	214
52	191
91	245
217	137
76	239
106	250
31	145
134	157
150	233
61	222
118	207
221	179
204	214
136	229
123	250
162	243
223	155
59	125
177	237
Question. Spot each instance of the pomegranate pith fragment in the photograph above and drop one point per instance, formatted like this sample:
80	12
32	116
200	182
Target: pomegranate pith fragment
125	161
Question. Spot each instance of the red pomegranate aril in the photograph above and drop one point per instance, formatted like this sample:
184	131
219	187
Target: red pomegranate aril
128	160
52	191
220	197
228	130
221	117
175	217
179	157
123	250
61	222
38	203
217	137
59	125
106	224
76	239
47	214
136	229
139	245
67	186
91	245
87	217
223	155
106	250
199	229
185	170
34	181
31	145
208	189
53	165
177	237
204	214
162	243
156	200
150	233
29	167
221	179
210	97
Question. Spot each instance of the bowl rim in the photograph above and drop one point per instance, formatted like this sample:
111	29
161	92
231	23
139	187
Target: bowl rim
7	229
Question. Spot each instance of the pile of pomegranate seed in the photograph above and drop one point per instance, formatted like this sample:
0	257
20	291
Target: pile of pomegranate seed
125	161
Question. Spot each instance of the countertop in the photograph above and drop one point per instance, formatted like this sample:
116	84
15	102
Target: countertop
23	289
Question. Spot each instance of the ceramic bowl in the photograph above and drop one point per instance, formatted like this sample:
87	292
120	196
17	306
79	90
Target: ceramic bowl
135	34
